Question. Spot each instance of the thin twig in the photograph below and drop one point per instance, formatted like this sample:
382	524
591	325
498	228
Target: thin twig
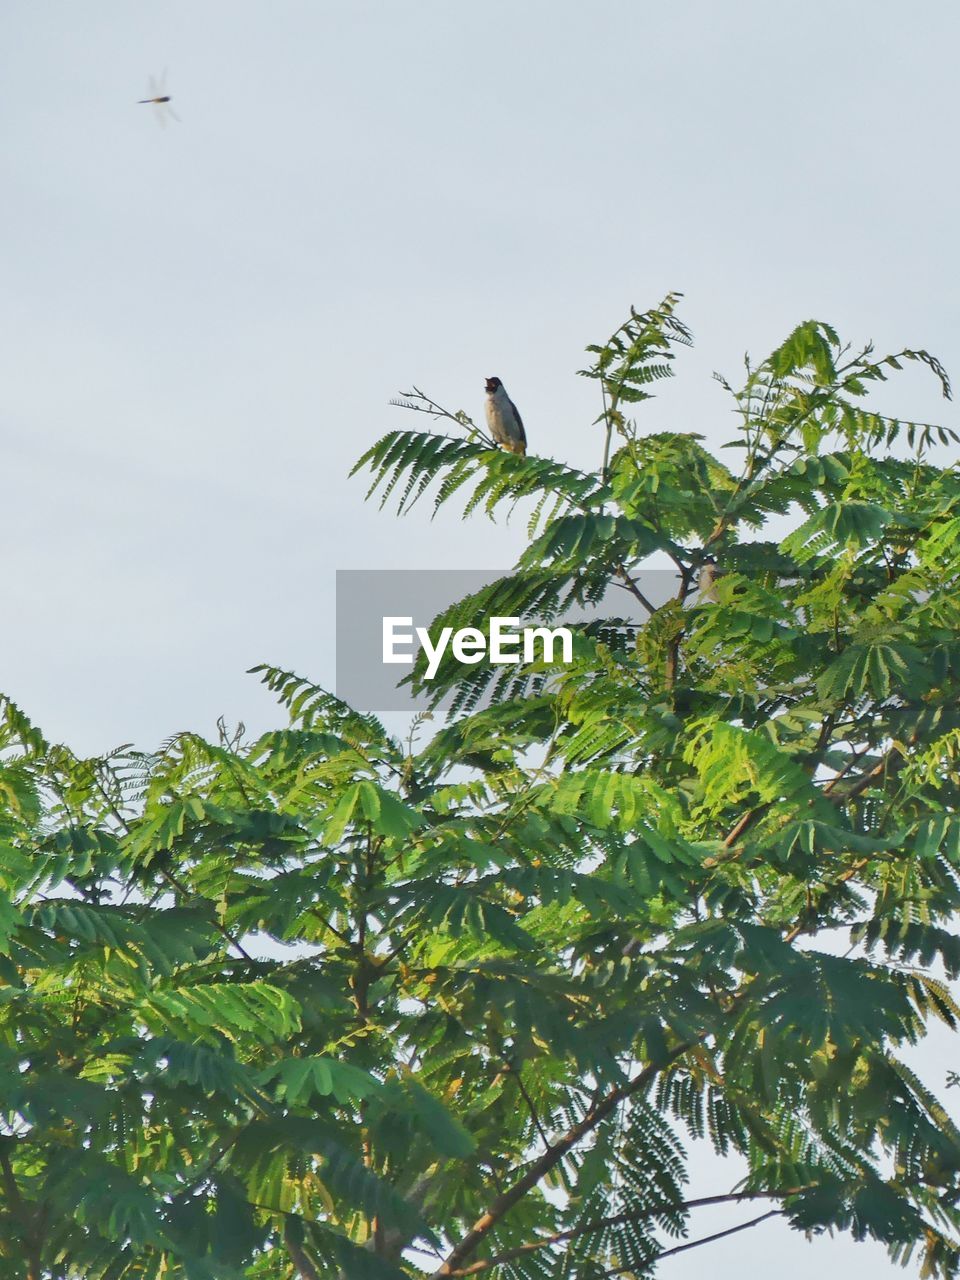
224	933
435	410
515	1072
695	1244
599	1224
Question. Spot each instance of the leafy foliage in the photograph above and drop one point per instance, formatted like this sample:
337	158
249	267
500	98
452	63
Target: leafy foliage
324	1003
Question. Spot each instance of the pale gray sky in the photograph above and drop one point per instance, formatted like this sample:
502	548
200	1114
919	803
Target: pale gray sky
200	327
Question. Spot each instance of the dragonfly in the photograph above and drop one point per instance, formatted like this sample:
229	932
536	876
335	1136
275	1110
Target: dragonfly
159	99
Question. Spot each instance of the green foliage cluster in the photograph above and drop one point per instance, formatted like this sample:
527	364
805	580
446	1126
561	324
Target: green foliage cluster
330	1004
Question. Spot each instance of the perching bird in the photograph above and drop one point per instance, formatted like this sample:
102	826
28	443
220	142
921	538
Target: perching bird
707	579
503	420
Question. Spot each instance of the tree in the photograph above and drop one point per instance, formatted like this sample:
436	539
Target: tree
329	1003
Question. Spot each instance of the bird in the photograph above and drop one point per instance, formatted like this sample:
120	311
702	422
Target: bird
707	579
504	421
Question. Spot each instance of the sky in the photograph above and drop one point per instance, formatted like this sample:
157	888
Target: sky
201	326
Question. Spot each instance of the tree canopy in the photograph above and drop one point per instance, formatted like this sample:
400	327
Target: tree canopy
329	1003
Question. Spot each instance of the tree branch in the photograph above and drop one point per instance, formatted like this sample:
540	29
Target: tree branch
298	1257
540	1168
19	1210
600	1223
181	888
695	1244
745	821
890	764
10	1183
628	584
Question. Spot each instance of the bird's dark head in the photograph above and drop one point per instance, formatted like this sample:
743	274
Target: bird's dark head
492	385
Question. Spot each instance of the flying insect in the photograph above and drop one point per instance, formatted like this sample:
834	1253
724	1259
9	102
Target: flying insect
159	99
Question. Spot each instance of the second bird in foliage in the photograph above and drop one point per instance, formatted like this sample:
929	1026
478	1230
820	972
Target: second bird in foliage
503	419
